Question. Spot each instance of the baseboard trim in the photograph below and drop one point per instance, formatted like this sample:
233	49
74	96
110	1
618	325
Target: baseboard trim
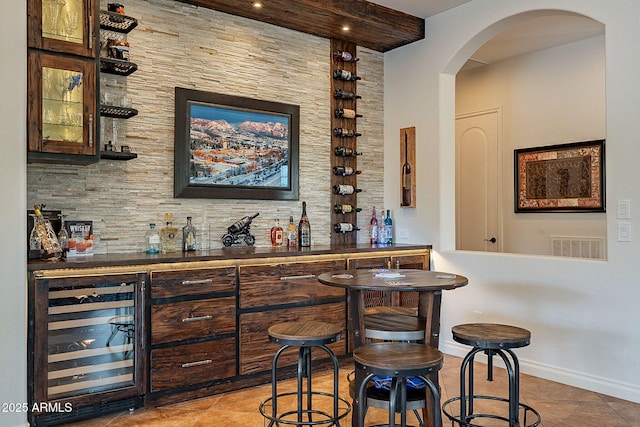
609	387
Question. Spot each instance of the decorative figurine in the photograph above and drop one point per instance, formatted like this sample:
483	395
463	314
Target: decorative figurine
240	230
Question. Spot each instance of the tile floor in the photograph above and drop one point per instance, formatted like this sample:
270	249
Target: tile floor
559	405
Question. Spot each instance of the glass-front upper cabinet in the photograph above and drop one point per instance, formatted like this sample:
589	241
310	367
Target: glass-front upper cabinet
62	105
66	26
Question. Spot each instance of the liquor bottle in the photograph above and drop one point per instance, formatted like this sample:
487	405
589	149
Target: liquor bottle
345	75
344	56
168	235
189	236
304	228
345	151
204	236
240	224
49	245
292	234
152	240
63	237
388	229
346	133
345	209
345	171
346	113
373	227
277	233
345	94
345	190
345	227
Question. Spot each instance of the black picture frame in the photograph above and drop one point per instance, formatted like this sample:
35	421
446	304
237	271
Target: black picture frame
560	178
232	147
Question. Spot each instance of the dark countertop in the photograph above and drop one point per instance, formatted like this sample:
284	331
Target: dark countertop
234	252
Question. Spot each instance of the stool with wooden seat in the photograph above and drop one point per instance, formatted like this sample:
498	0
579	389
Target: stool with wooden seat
304	335
493	339
400	361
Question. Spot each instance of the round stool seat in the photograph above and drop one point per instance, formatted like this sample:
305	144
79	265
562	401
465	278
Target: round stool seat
491	335
310	333
392	358
392	326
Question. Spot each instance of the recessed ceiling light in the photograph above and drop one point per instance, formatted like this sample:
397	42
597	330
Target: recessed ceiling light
345	28
257	4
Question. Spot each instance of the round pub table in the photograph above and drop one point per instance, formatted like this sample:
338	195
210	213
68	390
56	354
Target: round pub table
428	284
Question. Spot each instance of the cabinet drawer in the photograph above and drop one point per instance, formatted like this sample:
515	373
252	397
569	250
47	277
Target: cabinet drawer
192	319
192	363
264	285
256	351
167	284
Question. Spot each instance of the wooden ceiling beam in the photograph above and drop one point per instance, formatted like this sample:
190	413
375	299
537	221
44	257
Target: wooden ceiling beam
370	25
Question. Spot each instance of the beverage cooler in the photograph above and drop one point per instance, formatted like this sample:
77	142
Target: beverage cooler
89	331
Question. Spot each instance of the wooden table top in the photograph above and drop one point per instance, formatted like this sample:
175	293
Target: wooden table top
393	280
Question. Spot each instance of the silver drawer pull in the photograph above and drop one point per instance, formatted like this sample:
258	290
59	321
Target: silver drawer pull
196	319
200	363
196	282
306	276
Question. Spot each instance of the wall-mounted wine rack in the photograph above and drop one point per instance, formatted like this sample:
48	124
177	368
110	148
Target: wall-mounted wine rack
343	134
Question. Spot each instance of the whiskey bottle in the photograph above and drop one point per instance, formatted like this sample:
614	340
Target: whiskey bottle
346	133
345	227
346	113
345	209
189	236
292	234
169	235
345	75
304	228
344	56
345	151
345	190
345	171
49	245
152	240
277	233
345	94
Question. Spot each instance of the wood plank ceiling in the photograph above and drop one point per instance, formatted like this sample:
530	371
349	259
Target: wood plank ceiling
370	25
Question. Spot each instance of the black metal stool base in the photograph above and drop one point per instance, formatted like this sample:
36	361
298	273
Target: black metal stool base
468	421
322	418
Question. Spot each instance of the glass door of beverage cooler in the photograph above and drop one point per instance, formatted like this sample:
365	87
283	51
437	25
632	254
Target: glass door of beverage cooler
87	341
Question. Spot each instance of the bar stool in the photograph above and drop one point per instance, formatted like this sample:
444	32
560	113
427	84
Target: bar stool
304	335
394	324
398	360
493	339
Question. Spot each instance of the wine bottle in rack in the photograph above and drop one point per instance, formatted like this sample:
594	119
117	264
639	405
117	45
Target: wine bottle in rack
345	227
346	133
346	113
345	151
345	190
345	75
345	171
345	209
345	94
345	56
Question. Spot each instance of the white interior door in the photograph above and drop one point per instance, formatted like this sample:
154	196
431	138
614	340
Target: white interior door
478	163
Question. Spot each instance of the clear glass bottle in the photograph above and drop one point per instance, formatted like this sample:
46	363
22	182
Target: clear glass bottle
169	235
304	229
34	239
277	233
373	227
152	240
204	237
49	245
63	236
189	241
292	234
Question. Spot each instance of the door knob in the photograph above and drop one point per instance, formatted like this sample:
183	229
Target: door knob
491	240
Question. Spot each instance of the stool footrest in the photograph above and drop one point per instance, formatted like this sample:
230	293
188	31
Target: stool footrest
326	418
470	417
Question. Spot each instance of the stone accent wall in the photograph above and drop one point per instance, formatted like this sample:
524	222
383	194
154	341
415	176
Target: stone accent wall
182	45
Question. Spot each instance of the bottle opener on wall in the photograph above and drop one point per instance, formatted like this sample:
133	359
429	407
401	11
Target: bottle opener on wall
407	162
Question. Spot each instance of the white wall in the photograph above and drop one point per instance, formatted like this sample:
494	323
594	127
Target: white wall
581	313
553	96
13	289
